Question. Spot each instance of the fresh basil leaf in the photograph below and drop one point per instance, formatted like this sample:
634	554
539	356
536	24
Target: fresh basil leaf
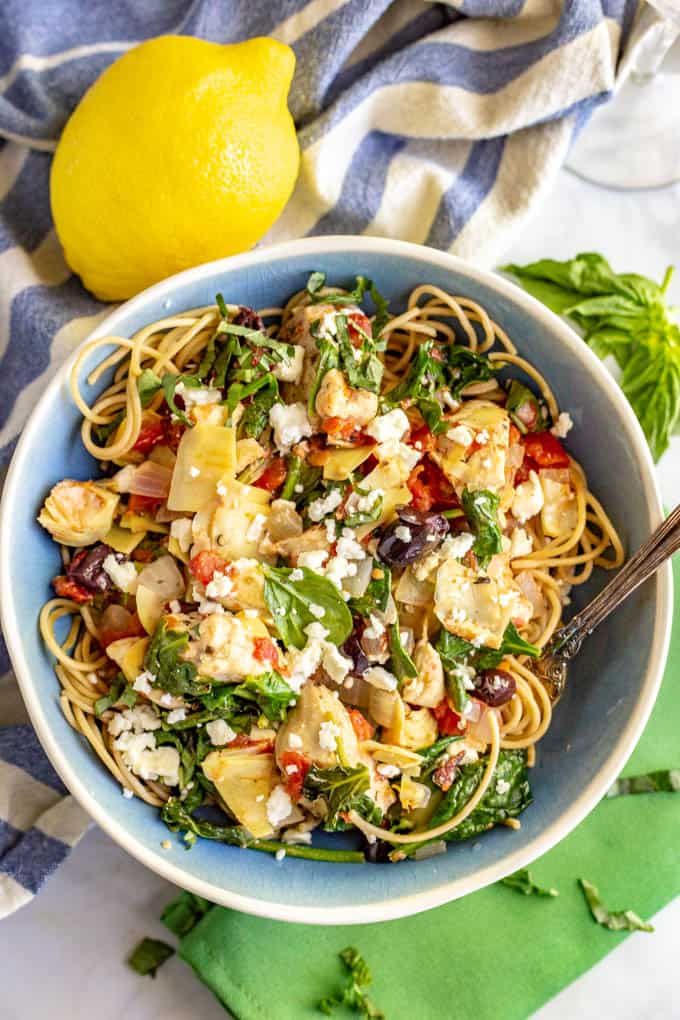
148	385
290	604
663	781
315	283
377	594
163	659
169	384
523	882
617	920
277	350
221	304
148	955
353	995
481	510
424	377
364	372
624	315
403	665
270	692
183	914
329	358
354	520
514	644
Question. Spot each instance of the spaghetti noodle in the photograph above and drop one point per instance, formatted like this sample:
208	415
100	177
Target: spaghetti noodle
415	477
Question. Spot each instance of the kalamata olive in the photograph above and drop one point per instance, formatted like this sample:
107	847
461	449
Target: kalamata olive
249	318
494	687
88	570
353	650
414	534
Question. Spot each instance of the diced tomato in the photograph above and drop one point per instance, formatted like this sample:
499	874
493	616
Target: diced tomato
273	476
144	504
68	589
151	433
360	724
134	628
422	439
430	488
358	319
443	776
295	766
449	722
514	435
339	428
142	554
546	450
205	565
265	650
524	470
174	430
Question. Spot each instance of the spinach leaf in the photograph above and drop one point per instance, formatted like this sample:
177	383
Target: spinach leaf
184	913
403	665
617	920
663	781
507	796
271	694
624	315
353	995
301	481
464	367
148	956
164	660
102	704
513	644
176	816
432	755
455	685
523	882
481	510
424	377
291	604
377	594
343	787
521	396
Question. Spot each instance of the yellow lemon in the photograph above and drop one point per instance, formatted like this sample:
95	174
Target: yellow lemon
181	152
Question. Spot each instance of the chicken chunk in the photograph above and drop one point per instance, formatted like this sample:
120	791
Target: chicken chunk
336	399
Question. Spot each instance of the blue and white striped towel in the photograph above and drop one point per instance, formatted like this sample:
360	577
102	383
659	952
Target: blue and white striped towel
442	123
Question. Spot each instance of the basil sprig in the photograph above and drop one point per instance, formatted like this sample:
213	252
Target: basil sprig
624	315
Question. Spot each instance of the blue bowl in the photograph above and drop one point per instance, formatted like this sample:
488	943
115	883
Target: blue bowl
612	684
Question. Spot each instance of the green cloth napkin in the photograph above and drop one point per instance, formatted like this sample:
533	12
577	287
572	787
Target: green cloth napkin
494	954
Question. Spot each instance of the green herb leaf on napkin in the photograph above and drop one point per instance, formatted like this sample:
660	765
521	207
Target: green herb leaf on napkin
523	882
353	994
617	920
663	781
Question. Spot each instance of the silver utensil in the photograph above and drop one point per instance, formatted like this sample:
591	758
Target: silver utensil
566	642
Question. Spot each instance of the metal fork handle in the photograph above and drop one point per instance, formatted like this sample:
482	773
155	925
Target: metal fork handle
662	543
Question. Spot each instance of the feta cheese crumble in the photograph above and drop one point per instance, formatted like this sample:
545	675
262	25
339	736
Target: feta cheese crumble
320	508
393	425
563	425
328	735
528	499
290	423
123	575
381	678
290	370
279	806
461	435
220	732
220	587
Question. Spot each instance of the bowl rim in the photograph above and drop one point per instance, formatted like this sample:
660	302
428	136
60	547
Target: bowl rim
447	891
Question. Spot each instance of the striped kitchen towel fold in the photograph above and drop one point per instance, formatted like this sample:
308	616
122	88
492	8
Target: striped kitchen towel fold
441	123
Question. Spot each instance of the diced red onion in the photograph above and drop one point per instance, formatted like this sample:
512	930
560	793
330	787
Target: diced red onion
151	479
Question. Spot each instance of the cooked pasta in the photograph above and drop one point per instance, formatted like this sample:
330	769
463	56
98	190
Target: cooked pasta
324	553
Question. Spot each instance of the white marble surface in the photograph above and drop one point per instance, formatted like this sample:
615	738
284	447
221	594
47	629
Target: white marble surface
62	956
